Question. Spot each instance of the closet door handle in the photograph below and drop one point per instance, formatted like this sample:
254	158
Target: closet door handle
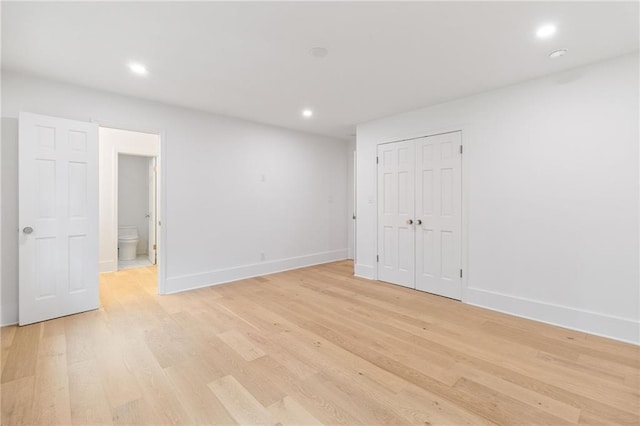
418	222
409	221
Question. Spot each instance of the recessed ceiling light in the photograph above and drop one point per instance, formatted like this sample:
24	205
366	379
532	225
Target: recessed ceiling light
319	52
546	31
307	113
138	68
557	53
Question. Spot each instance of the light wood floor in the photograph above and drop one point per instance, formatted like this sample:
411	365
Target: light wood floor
306	347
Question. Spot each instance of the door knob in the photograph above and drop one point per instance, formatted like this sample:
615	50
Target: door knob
409	221
27	230
419	222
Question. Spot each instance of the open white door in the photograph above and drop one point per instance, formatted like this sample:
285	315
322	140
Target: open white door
152	211
58	217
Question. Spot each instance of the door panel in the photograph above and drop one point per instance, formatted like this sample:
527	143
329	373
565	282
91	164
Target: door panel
396	205
58	182
439	207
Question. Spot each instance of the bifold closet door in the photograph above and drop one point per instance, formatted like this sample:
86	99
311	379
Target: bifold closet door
396	209
438	214
420	214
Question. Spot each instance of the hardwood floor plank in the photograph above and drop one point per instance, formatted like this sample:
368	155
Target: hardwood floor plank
537	400
118	381
54	327
7	334
323	403
254	377
6	339
422	407
23	354
87	399
154	385
239	402
190	385
51	394
241	345
78	338
17	398
631	375
288	412
132	413
503	408
371	400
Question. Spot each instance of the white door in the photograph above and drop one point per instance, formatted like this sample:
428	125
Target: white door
420	214
396	247
438	214
152	211
58	216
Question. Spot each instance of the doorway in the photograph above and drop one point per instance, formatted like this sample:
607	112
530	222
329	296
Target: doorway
136	211
130	210
420	213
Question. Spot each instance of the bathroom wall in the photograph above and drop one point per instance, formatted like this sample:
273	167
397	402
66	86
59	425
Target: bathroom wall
133	196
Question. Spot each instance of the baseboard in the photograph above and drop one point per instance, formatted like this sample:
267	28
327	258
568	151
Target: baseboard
350	255
220	276
107	266
609	326
364	271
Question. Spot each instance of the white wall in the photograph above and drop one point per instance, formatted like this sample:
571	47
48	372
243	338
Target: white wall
133	196
234	189
550	190
9	180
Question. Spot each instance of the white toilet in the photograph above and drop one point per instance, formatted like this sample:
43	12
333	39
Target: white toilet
127	242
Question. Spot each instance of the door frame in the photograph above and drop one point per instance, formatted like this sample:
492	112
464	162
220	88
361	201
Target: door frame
152	243
466	135
354	216
161	191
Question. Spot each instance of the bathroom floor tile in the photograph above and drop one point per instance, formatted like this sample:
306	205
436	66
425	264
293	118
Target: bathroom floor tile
141	261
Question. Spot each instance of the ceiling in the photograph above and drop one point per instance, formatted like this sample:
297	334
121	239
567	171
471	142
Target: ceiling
252	59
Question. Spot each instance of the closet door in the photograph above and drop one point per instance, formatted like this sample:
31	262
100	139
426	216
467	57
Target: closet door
396	208
438	214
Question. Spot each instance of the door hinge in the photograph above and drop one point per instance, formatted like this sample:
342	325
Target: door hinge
460	149
154	246
460	273
353	217
377	160
377	258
